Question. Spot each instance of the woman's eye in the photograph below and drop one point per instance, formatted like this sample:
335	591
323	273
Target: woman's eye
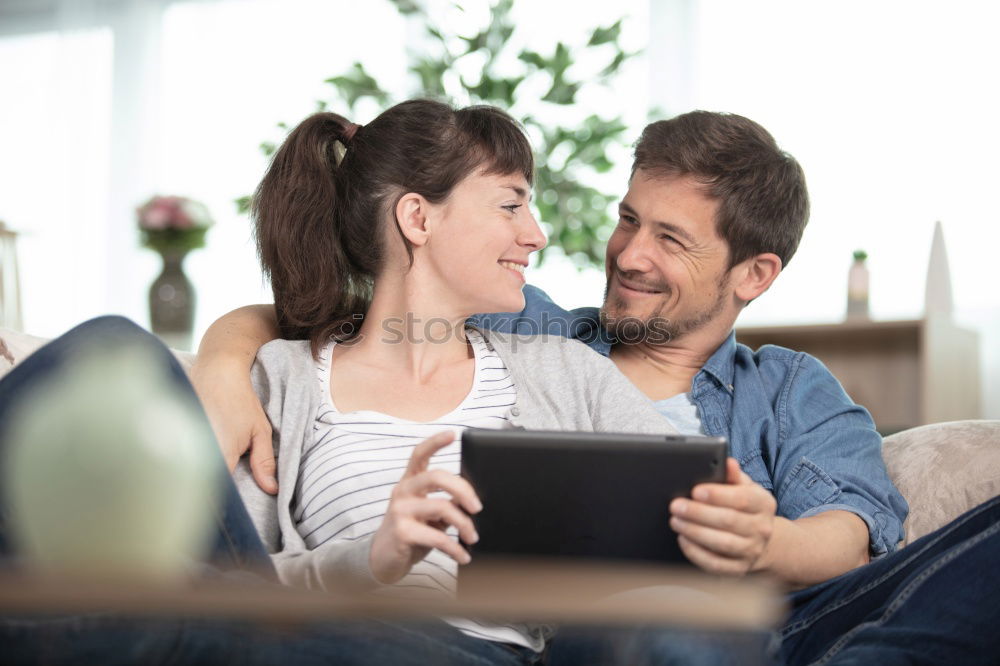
511	208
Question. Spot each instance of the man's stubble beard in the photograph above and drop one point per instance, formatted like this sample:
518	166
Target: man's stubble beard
654	328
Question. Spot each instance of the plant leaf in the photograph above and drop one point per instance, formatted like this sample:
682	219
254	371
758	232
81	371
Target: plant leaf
605	35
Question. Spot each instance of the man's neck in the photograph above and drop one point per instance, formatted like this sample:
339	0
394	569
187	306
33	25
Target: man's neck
660	371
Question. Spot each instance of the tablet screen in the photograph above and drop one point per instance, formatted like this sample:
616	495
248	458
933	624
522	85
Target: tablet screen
598	496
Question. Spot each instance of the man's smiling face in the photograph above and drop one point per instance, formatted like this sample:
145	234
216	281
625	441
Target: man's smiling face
666	265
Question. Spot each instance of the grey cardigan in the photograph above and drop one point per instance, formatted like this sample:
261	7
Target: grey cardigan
561	385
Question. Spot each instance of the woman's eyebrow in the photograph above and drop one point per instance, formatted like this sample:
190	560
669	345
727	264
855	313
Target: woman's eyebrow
519	191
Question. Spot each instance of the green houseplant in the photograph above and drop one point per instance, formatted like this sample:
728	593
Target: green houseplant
571	204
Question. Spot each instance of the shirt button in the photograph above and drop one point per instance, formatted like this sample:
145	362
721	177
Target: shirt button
514	411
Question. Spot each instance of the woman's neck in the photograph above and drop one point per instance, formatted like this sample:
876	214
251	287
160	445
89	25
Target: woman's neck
407	327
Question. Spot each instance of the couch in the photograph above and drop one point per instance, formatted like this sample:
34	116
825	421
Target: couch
942	469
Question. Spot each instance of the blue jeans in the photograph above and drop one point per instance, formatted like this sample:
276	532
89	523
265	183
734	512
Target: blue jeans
104	638
937	601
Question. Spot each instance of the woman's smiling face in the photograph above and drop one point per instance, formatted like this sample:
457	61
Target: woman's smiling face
480	240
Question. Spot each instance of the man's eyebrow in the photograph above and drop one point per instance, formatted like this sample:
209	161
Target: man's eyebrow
666	226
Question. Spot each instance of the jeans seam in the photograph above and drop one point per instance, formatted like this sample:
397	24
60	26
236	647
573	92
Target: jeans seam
233	550
826	610
908	592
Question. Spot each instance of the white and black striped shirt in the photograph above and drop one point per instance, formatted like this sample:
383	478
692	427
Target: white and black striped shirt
348	470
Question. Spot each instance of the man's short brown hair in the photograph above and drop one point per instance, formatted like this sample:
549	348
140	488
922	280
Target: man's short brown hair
761	190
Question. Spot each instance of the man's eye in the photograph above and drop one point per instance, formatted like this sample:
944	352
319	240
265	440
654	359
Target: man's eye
669	238
630	221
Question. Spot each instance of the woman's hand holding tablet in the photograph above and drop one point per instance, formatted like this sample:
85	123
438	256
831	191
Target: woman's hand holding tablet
415	523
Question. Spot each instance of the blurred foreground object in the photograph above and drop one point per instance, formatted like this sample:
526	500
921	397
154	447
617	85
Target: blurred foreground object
110	472
173	226
10	284
501	591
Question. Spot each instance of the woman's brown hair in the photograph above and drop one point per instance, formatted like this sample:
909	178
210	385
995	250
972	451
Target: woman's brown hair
319	211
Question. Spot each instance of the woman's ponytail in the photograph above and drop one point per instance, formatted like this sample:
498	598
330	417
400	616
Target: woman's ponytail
296	212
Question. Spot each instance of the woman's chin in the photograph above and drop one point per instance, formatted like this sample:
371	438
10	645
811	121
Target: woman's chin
515	303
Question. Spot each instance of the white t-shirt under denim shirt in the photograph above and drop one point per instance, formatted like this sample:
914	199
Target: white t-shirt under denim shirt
347	473
682	412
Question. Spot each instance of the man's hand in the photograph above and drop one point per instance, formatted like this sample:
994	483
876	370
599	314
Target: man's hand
725	528
238	419
221	377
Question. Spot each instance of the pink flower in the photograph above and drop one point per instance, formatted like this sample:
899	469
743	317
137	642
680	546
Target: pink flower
155	217
173	212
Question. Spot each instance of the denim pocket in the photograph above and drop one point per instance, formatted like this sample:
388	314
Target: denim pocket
808	486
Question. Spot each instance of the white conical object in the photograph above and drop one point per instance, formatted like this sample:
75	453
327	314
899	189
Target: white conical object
937	294
111	471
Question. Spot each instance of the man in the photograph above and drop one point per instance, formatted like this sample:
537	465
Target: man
713	212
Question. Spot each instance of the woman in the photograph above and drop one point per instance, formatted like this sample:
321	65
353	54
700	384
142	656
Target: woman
380	241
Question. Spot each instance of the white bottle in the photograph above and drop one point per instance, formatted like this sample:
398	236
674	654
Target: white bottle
857	287
110	471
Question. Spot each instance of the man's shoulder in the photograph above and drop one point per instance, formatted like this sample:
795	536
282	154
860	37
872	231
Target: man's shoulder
776	360
542	316
797	384
777	370
538	345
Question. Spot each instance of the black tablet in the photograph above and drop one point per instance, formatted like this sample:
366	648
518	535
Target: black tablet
598	496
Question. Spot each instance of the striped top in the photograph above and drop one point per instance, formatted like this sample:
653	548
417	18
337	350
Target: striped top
354	459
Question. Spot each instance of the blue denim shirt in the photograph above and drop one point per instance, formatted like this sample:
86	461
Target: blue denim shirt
790	424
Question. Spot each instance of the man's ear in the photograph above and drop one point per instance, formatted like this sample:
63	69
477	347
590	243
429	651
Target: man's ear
411	216
755	275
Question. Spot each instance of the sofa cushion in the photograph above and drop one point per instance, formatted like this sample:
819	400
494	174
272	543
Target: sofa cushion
943	470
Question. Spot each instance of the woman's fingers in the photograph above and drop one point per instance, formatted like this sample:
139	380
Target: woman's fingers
425	536
423	451
437	479
441	513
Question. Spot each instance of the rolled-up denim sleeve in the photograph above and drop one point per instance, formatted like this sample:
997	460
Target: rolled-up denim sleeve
831	457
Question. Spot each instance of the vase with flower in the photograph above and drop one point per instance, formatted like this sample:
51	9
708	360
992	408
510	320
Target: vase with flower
173	226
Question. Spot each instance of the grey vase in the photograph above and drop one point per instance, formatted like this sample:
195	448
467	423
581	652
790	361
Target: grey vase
172	301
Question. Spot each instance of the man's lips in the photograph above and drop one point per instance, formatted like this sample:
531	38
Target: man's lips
636	286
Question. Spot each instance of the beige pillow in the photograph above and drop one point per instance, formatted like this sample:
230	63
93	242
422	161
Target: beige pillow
943	470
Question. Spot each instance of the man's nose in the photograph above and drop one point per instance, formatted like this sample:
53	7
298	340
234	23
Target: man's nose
635	256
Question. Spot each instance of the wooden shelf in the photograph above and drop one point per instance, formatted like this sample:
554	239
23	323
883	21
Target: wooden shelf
907	372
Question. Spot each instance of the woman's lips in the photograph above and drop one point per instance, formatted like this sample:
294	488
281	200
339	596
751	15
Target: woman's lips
513	267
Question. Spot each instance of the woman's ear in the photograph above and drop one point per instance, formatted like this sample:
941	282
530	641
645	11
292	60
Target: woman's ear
411	216
755	275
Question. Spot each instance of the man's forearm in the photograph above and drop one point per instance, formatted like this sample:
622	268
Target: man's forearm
811	550
238	335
